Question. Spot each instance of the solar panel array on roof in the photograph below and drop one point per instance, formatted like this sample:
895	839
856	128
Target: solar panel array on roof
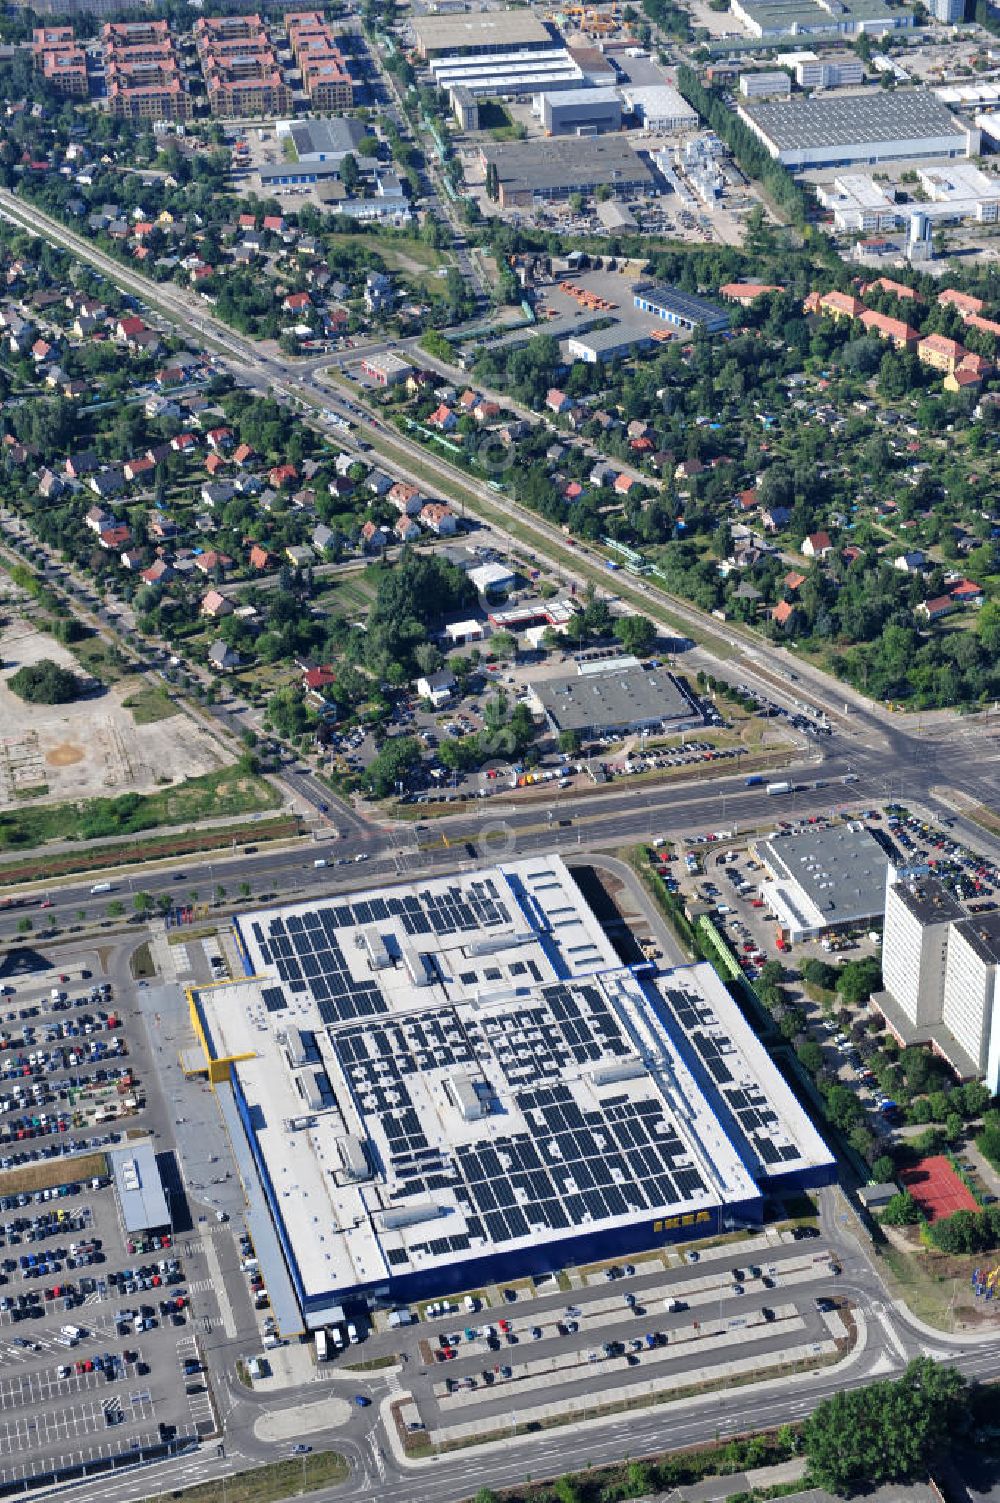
745	1099
577	1167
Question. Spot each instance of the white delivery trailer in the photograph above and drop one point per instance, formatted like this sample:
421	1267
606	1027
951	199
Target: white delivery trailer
322	1351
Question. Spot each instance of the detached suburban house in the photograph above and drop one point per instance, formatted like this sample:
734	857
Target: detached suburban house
222	657
817	545
437	687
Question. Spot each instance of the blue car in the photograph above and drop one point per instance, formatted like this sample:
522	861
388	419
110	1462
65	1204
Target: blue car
361	1400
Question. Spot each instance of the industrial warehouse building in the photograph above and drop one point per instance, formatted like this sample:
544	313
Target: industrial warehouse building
616	696
435	1086
878	126
481	32
601	346
660	107
822	881
507	76
681	309
581	112
773	19
541	171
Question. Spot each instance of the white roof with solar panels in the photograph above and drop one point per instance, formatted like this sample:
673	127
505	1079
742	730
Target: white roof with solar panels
440	1072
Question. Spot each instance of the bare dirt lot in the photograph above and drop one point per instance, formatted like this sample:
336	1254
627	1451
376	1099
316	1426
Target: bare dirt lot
90	748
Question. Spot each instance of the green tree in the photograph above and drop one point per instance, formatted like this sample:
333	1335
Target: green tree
569	742
45	683
115	908
350	174
392	765
888	1431
883	1169
142	903
902	1210
637	634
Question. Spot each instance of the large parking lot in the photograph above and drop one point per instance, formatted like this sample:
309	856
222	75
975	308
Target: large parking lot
95	1323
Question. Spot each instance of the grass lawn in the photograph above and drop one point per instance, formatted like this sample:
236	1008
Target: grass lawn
51	1172
265	1484
100	659
227	791
149	703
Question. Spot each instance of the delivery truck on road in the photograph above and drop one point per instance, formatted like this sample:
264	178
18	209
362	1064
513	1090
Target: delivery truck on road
778	788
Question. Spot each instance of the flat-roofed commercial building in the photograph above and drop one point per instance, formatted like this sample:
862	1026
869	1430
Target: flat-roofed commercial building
142	1199
494	31
507	76
241	69
683	310
660	107
767	19
541	171
878	126
615	697
831	71
600	346
771	83
435	1086
581	112
823	881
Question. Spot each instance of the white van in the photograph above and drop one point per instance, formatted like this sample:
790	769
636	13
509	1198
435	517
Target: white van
321	861
471	1305
352	1335
100	887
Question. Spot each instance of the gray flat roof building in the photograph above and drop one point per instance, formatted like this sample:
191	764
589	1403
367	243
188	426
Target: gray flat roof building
329	137
139	1187
481	31
581	111
824	879
539	170
615	699
870	127
600	345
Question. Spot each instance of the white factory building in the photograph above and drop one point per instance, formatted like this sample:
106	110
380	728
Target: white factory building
952	192
831	71
859	204
660	107
767	84
508	75
941	969
842	130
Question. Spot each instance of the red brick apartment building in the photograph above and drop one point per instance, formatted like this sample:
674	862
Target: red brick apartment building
240	67
60	60
144	78
326	78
